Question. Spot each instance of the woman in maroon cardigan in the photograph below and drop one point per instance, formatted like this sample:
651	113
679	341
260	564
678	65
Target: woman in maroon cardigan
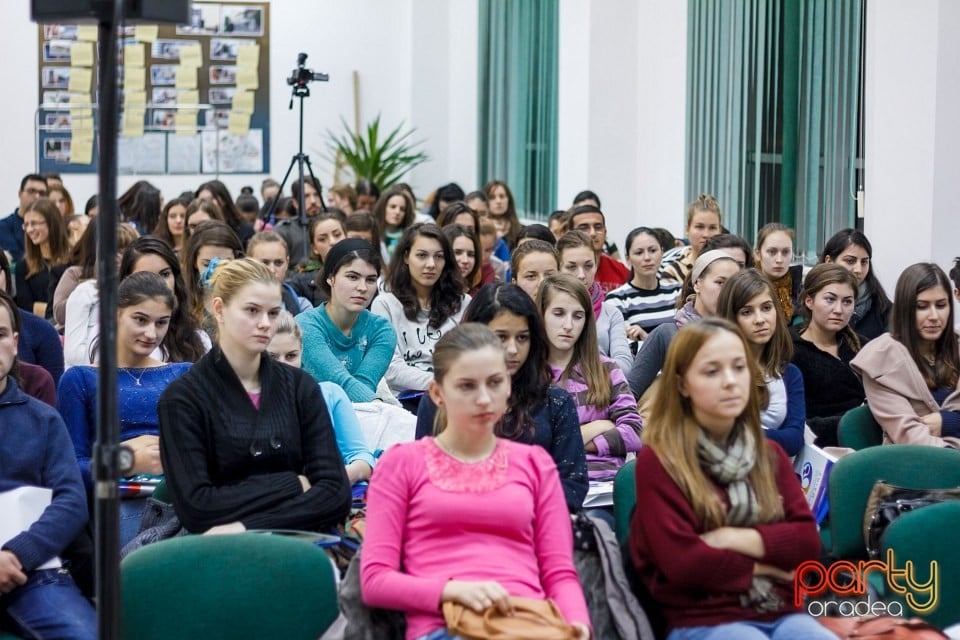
721	521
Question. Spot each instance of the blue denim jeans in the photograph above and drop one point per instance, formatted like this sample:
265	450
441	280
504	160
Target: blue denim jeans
50	605
796	626
131	512
439	634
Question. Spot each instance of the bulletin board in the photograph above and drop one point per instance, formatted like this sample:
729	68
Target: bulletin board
194	98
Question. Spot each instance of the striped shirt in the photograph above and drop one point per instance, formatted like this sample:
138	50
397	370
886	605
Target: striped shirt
647	308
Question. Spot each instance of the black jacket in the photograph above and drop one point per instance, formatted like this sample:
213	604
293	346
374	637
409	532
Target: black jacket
226	461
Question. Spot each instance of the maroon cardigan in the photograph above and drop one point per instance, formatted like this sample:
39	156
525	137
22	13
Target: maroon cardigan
695	584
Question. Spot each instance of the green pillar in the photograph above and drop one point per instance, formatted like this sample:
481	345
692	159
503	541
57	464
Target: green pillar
791	121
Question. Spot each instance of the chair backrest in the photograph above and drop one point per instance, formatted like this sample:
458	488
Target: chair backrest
624	499
248	585
923	536
858	429
853	476
162	492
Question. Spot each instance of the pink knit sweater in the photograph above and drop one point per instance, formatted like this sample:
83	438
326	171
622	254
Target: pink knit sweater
432	518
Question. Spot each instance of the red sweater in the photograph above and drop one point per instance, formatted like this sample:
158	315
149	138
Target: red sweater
695	584
611	273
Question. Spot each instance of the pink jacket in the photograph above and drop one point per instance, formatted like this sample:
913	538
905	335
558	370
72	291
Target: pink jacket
898	396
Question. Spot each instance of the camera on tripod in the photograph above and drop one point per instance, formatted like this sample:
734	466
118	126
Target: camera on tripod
301	76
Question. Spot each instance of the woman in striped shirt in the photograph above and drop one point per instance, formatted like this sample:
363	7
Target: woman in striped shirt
645	301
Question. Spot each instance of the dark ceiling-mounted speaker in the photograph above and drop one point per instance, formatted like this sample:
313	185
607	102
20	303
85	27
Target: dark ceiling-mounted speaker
134	11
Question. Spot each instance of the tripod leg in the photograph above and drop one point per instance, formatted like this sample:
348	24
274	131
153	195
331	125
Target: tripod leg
283	183
316	183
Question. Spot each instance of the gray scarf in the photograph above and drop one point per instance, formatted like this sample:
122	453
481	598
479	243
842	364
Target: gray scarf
864	303
729	467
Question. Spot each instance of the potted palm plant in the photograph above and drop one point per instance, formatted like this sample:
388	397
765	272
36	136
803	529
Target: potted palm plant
381	158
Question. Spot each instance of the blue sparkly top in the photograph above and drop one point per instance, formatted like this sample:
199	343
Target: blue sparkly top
138	394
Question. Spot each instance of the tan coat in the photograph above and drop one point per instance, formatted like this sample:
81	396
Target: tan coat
897	395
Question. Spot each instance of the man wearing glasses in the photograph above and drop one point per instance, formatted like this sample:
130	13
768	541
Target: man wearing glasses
32	188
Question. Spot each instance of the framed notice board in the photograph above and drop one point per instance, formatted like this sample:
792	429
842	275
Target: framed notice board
195	97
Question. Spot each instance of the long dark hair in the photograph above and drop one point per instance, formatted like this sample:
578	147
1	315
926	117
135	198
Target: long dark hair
162	229
843	239
903	324
531	381
223	198
445	297
208	233
820	276
140	204
736	294
181	344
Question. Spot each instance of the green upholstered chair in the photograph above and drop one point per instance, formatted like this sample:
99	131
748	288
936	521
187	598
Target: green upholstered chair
248	585
858	429
624	499
923	536
853	476
162	492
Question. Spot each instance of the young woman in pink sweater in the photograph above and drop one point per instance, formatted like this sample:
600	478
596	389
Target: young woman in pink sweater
436	527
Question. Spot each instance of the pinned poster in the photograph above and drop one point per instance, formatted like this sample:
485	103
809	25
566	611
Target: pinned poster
243	101
80	78
81	149
186	78
247	77
87	33
134	79
82	126
239	124
190	55
146	32
248	56
133	55
81	54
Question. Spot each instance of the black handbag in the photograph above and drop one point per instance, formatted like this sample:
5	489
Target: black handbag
888	502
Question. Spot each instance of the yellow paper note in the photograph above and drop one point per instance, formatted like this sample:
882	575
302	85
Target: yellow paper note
243	101
134	78
80	106
79	80
133	55
186	78
134	99
247	78
190	55
87	33
82	126
248	56
146	32
239	124
189	97
81	149
132	123
186	122
81	54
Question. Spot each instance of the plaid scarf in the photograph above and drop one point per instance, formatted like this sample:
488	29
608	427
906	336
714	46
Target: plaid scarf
729	467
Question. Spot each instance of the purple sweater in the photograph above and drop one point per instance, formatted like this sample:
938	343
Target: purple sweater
612	445
432	518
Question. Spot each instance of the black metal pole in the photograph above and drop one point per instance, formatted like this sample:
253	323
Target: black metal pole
106	462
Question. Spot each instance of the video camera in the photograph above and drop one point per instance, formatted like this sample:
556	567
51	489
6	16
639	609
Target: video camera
301	76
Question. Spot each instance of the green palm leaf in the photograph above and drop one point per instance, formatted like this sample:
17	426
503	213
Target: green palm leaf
381	159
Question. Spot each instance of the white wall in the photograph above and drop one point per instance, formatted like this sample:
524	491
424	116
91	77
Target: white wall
912	166
622	109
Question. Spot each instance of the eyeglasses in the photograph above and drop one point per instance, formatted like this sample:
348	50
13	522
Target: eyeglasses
36	192
31	225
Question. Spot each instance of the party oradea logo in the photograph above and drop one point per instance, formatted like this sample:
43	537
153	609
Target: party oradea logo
814	583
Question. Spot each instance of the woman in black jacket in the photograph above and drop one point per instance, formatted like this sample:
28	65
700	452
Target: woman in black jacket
246	442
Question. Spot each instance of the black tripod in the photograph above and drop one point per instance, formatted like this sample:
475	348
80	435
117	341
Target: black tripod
299	80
